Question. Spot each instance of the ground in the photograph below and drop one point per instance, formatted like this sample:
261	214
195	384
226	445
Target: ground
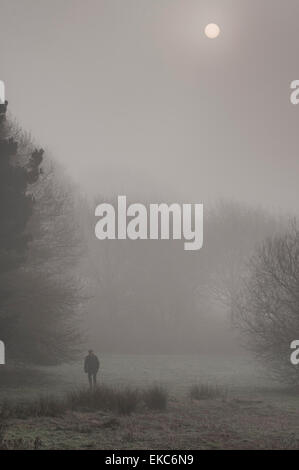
256	413
232	423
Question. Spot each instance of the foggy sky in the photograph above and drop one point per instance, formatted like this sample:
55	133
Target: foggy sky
131	97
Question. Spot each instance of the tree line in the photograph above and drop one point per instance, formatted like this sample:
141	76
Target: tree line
39	288
145	295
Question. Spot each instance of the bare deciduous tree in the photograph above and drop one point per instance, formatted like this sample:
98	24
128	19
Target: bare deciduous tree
266	308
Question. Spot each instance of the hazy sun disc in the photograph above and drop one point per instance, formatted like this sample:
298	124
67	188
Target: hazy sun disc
212	30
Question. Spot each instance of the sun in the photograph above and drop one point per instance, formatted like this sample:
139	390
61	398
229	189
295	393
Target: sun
212	30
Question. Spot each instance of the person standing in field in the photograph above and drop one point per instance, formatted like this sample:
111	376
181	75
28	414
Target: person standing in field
91	367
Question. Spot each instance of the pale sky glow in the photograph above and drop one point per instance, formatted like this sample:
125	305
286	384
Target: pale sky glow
132	95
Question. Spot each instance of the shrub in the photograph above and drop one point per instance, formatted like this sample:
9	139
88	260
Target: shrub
45	406
126	401
42	406
155	398
104	398
123	401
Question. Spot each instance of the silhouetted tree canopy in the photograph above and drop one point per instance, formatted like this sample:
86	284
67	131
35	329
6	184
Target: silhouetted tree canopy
266	308
39	250
16	207
16	202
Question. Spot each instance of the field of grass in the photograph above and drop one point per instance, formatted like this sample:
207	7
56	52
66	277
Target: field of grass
226	406
185	424
177	373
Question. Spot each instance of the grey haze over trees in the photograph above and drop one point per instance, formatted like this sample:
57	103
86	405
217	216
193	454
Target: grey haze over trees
147	296
233	231
139	292
40	248
152	296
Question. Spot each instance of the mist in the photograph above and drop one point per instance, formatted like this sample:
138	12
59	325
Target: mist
132	98
110	98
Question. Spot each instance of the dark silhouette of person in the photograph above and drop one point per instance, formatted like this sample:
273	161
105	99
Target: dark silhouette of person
91	367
